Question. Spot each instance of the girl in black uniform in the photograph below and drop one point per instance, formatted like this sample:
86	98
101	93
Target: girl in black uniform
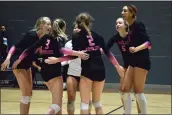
93	70
121	39
140	61
23	70
51	74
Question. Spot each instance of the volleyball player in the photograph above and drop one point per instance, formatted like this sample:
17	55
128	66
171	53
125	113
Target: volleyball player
23	70
140	60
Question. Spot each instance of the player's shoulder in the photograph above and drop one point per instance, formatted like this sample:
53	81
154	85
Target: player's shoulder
139	24
95	33
114	37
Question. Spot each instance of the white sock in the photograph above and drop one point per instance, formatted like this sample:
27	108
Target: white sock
142	103
127	103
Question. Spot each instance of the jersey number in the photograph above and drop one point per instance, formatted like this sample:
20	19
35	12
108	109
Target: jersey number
123	48
90	41
47	44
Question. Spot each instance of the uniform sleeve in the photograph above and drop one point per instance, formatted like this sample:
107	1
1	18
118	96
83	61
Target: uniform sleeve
142	34
25	39
68	45
110	43
107	52
32	48
20	44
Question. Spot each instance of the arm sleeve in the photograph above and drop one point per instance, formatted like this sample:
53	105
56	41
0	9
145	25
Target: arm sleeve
143	36
110	43
107	52
32	48
20	44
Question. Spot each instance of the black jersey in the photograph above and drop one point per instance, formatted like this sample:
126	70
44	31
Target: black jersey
123	44
50	47
138	36
62	41
91	45
29	38
47	45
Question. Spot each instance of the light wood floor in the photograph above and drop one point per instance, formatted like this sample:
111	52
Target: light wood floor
157	103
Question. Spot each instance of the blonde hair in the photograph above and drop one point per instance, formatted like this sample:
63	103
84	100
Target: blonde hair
41	20
84	20
58	26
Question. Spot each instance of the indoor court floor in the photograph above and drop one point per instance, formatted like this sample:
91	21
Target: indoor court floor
41	99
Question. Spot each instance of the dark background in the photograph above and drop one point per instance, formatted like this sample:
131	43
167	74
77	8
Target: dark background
19	17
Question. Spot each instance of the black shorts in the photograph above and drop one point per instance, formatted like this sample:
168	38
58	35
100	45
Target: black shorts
50	71
126	64
64	70
93	69
144	64
76	77
98	75
24	65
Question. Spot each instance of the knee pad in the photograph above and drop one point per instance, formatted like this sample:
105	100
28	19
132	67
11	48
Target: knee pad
97	104
84	106
71	105
25	99
55	107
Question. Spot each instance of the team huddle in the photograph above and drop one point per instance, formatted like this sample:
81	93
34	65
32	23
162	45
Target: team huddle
83	53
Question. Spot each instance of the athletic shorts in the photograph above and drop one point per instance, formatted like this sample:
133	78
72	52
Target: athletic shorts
50	71
93	69
76	77
24	65
144	64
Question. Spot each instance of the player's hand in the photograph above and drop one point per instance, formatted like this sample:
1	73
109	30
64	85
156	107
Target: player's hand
120	70
5	65
39	69
83	55
15	64
133	49
51	60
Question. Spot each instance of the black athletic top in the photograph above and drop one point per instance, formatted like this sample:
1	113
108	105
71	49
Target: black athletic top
138	36
91	45
29	38
50	47
123	44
